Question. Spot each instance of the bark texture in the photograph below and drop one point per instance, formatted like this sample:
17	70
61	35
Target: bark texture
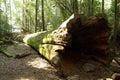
74	35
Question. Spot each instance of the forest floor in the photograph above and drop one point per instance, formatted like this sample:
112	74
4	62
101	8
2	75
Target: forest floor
26	64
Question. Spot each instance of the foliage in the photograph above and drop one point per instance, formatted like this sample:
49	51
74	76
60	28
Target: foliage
20	14
5	28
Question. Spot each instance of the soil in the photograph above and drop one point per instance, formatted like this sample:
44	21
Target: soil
26	64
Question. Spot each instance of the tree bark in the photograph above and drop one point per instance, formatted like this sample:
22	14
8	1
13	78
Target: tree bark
10	12
89	37
102	6
50	43
75	7
115	26
23	15
43	20
92	7
89	7
36	15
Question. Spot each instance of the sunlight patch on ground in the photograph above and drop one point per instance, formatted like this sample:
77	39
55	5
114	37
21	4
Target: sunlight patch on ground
22	79
38	63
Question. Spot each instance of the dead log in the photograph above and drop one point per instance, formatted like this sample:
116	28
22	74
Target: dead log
92	35
89	37
50	43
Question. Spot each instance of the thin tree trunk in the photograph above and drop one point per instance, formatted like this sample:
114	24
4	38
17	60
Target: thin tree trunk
81	11
26	23
115	26
36	11
0	18
102	6
75	7
43	21
26	20
89	7
10	12
23	15
92	7
6	10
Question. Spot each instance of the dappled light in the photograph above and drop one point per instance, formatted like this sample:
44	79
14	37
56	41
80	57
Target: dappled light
38	63
22	78
59	39
33	67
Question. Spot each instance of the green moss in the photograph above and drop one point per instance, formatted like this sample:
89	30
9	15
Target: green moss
44	43
39	38
49	51
6	52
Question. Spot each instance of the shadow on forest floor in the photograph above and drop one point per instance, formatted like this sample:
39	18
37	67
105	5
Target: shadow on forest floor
20	67
34	67
28	68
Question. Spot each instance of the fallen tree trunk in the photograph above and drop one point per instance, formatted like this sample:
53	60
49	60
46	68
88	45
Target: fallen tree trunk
46	45
50	43
92	35
88	37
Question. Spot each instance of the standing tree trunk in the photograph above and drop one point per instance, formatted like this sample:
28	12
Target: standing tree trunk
89	7
26	18
10	12
102	6
92	7
80	7
36	15
75	7
0	19
115	26
0	14
23	15
43	21
6	10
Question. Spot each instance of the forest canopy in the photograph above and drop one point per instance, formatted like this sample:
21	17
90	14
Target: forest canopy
28	16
